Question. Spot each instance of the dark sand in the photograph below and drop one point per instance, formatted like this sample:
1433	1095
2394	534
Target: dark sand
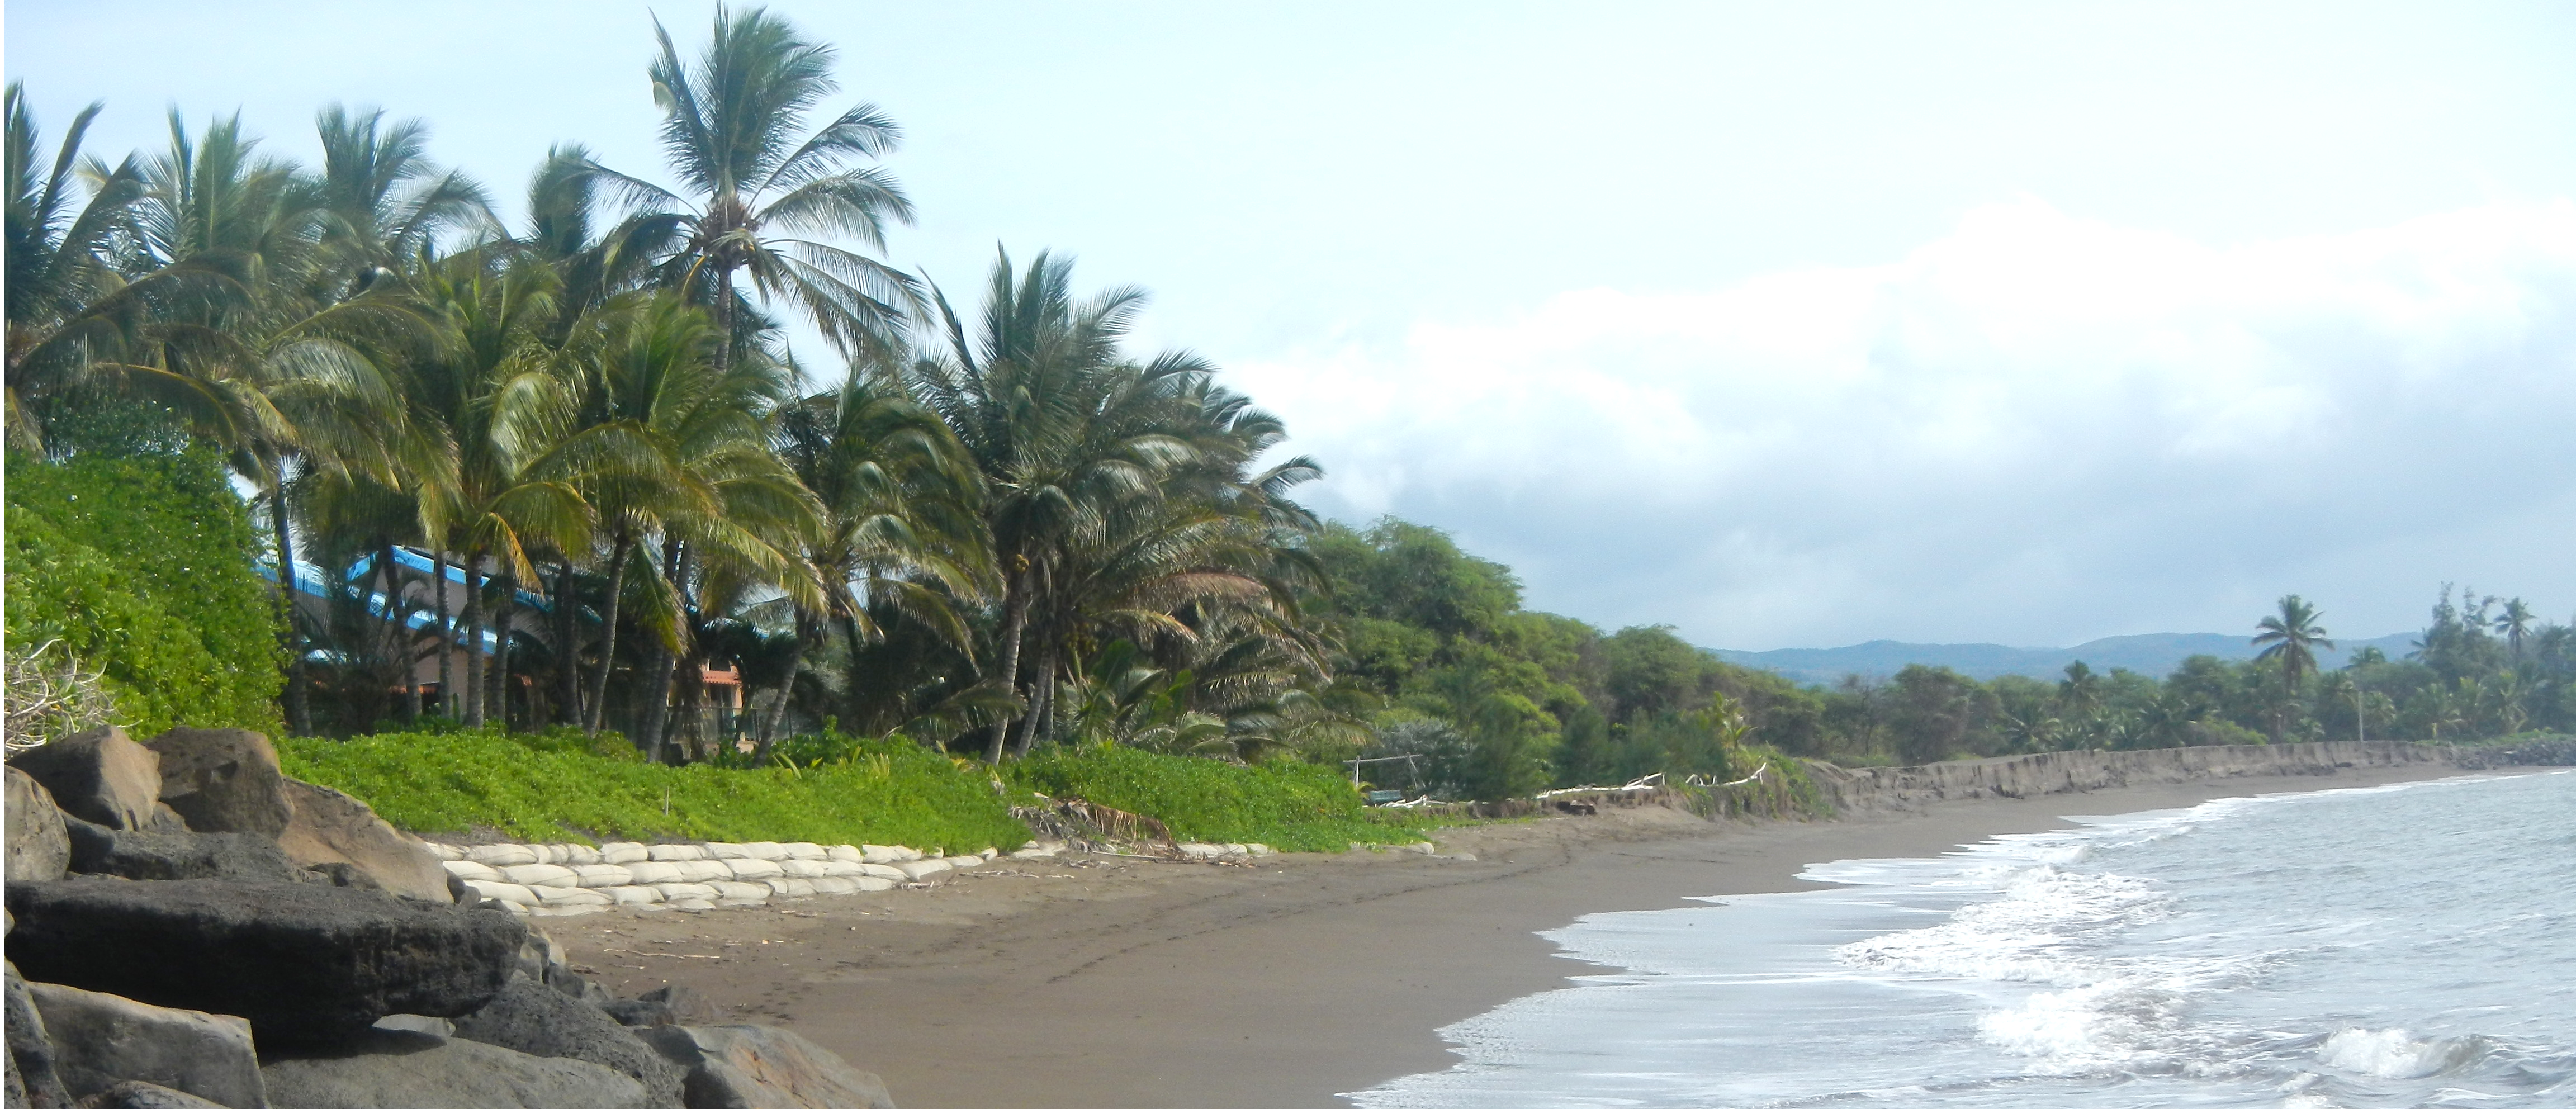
1098	981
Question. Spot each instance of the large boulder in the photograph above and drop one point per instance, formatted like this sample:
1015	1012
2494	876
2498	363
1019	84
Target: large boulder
409	1070
741	1066
305	963
170	856
223	780
534	1018
33	1080
326	827
101	1039
102	777
38	847
145	1095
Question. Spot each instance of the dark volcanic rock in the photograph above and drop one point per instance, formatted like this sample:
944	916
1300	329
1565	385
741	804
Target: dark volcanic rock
743	1066
407	1070
33	1081
305	963
536	1019
668	1005
101	1039
223	780
38	847
102	777
144	1095
169	856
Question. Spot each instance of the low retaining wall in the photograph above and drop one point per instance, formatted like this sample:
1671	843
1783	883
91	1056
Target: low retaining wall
1903	788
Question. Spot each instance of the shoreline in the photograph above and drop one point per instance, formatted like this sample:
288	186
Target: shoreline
1285	982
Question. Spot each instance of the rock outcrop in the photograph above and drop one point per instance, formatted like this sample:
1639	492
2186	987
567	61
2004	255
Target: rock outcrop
102	1039
206	933
743	1066
145	1095
1905	788
326	827
33	1079
171	856
304	963
102	777
533	1018
409	1070
223	780
38	848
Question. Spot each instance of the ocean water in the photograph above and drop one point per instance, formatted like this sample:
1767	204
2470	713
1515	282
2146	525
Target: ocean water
2408	945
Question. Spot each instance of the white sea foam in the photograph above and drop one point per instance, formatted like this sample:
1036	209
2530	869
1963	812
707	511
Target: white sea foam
2395	1052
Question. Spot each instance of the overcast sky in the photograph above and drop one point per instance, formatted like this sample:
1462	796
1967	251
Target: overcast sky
1788	325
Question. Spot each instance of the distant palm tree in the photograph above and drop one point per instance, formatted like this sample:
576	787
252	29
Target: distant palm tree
2293	636
2514	623
763	195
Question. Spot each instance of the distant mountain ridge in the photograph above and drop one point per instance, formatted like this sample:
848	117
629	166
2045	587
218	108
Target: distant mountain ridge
2154	655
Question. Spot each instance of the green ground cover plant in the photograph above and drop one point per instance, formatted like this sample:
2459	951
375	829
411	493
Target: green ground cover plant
563	785
1292	806
141	568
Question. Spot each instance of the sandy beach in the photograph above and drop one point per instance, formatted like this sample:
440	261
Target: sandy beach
1095	980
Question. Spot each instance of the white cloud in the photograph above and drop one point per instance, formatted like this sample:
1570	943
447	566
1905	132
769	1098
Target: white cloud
2036	429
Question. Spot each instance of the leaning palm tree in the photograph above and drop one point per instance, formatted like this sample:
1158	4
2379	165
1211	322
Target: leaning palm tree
761	197
67	304
2293	637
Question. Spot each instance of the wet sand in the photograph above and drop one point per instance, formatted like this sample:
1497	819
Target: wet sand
1103	981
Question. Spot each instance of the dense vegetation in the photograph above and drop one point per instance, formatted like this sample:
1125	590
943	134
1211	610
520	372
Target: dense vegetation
983	524
142	569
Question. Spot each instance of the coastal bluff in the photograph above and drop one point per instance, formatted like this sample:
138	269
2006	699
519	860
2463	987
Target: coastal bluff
1891	789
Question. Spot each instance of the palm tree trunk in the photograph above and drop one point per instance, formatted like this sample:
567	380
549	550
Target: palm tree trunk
850	688
1012	625
567	653
399	632
500	695
621	551
446	638
299	714
769	721
1041	699
657	710
473	641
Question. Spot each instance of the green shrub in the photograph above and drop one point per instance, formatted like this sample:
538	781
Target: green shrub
1288	805
553	786
142	568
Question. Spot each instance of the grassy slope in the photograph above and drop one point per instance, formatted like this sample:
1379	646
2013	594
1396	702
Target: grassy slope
551	790
555	787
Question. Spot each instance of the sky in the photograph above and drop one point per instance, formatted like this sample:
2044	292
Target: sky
1784	325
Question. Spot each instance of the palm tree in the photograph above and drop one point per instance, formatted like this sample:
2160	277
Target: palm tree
282	376
1067	434
383	203
65	299
762	195
2293	637
900	525
671	444
2514	623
